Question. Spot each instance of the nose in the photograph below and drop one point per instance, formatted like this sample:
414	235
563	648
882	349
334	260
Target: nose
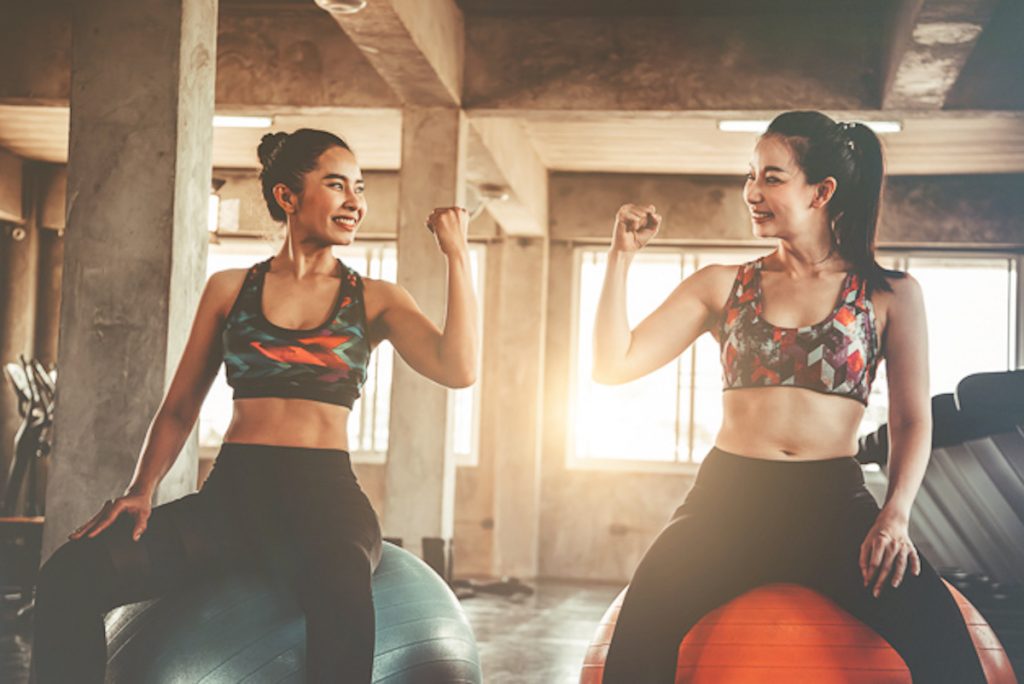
751	193
351	200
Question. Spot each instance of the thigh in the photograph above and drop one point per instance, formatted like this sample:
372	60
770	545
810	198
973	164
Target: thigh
185	540
699	562
327	521
920	618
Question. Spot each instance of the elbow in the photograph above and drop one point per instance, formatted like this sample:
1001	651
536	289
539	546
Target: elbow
603	375
465	377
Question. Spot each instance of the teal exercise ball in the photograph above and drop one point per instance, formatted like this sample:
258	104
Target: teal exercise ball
242	628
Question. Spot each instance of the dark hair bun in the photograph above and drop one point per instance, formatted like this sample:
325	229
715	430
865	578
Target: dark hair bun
270	145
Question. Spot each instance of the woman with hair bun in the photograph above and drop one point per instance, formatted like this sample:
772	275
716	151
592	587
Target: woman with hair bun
780	498
295	333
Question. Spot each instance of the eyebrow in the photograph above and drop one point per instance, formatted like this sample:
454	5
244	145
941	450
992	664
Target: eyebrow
772	168
338	176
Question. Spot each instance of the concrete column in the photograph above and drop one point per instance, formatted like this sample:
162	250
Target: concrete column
139	171
19	263
51	270
421	468
520	381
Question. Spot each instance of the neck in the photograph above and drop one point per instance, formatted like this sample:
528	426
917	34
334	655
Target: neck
298	258
807	259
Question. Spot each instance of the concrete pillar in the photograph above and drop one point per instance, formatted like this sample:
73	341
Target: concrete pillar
139	170
520	382
421	468
19	262
51	270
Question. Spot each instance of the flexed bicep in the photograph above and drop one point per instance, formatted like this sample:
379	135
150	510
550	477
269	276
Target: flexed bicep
669	330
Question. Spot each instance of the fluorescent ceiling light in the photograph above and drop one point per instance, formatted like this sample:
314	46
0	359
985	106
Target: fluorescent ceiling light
884	126
742	126
759	126
243	121
342	6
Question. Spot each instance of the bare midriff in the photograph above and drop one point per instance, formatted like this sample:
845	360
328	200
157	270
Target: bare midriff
788	424
289	422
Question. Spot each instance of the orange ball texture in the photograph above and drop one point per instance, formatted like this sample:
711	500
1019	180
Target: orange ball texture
790	634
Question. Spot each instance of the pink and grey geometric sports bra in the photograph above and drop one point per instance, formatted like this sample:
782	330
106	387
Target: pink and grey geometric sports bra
838	355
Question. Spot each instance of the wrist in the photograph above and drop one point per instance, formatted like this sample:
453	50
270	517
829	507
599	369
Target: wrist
897	510
458	255
140	489
620	256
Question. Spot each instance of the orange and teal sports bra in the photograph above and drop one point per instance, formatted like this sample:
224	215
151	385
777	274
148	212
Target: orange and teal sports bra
838	355
327	363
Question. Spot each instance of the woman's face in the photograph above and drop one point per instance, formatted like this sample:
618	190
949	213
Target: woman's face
781	202
332	203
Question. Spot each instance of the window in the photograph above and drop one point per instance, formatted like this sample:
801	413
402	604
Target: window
672	415
368	422
971	306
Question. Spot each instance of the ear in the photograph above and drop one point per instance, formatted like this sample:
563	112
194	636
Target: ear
286	199
823	192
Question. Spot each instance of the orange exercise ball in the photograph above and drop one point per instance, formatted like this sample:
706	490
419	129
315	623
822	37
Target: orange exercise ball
792	634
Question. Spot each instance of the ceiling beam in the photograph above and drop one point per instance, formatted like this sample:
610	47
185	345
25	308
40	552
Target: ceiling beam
417	47
930	43
501	155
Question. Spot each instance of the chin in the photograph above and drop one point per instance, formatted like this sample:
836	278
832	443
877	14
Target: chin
342	237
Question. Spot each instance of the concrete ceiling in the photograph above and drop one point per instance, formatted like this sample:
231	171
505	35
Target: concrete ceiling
595	86
659	142
41	133
679	8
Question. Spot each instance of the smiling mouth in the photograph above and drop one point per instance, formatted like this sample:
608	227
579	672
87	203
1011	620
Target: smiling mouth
762	215
345	222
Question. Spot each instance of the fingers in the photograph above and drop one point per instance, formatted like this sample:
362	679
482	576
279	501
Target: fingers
112	511
872	553
459	214
915	562
104	519
883	558
899	566
636	219
77	534
141	520
889	554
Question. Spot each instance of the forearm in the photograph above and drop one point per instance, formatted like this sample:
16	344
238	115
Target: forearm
458	346
909	451
164	440
611	324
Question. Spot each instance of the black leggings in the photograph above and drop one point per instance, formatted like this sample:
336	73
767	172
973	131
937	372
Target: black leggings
298	513
748	522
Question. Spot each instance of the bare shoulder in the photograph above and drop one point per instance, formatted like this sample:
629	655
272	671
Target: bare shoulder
222	288
905	292
376	291
380	295
713	284
904	298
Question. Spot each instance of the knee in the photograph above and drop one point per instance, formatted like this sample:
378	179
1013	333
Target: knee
70	570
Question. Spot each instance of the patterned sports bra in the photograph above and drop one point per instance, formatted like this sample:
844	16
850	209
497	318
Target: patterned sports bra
326	363
839	355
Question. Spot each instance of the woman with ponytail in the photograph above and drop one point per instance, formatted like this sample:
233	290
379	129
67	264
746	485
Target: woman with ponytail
780	498
295	334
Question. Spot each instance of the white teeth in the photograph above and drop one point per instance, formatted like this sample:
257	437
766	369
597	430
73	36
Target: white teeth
346	220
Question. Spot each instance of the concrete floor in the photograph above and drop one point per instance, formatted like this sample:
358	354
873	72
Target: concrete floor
539	638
